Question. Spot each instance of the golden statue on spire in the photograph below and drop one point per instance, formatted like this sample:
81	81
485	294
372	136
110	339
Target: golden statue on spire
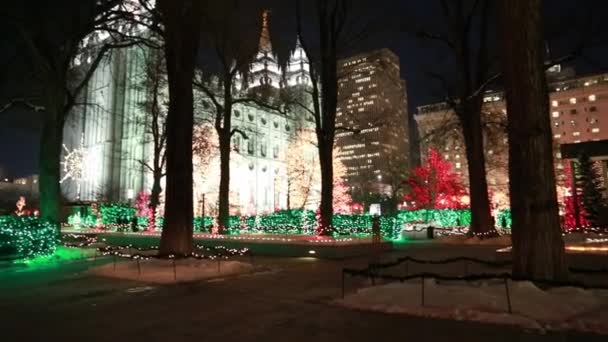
265	18
265	44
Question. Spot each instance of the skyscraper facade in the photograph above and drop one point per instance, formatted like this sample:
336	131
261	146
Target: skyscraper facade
372	122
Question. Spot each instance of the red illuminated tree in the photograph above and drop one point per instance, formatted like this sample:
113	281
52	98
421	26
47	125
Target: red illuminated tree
574	215
434	185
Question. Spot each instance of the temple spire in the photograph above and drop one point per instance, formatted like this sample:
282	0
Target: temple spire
265	45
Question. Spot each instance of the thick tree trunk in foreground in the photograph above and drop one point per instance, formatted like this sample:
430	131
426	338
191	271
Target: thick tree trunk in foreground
327	188
181	19
482	223
156	190
50	159
538	248
224	194
155	199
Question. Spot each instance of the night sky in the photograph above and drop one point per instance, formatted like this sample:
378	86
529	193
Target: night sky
390	22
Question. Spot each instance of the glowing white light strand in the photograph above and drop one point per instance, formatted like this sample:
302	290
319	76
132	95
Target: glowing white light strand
74	165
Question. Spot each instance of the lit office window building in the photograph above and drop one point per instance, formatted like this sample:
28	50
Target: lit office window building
372	122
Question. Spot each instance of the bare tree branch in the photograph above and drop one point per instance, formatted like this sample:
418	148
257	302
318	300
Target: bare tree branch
21	102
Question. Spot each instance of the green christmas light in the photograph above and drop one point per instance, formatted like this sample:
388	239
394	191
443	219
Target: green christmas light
27	237
299	221
440	217
504	218
117	213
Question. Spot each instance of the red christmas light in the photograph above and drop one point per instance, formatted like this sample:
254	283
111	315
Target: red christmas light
434	185
570	206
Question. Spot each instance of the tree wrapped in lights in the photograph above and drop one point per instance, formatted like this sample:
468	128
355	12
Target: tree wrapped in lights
206	164
590	185
145	210
434	185
303	175
342	200
574	213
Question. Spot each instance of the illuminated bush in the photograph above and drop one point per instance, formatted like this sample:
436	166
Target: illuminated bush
299	221
202	223
504	219
117	213
26	237
439	217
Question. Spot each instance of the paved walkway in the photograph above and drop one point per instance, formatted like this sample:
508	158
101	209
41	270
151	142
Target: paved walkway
291	303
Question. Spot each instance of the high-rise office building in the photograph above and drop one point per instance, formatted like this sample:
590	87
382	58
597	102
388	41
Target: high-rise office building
372	122
578	115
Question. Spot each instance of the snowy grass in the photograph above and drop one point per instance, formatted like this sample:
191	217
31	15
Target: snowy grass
532	307
162	271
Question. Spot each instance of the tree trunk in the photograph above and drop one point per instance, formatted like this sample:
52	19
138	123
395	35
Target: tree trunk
327	176
482	223
224	195
156	189
154	199
181	19
50	160
538	248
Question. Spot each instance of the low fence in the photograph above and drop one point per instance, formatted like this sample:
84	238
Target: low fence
372	273
217	253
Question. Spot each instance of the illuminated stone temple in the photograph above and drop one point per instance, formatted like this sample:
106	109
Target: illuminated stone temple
108	134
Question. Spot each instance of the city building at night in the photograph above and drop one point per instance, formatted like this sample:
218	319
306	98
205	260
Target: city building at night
578	114
372	122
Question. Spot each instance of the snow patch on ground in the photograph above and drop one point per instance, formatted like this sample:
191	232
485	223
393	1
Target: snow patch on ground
582	237
532	307
503	240
574	239
161	271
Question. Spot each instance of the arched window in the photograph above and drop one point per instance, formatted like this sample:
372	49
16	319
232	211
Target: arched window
250	148
275	151
263	150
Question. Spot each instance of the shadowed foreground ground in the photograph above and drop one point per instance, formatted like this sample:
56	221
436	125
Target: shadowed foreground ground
289	304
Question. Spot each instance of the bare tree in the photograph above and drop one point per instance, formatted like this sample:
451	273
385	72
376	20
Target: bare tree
466	38
52	52
331	17
538	248
154	84
225	89
181	20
